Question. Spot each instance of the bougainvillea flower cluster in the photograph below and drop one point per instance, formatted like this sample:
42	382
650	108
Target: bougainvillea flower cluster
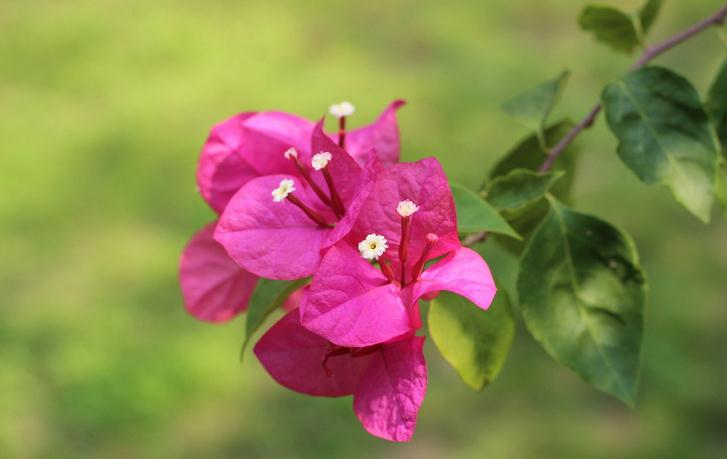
373	236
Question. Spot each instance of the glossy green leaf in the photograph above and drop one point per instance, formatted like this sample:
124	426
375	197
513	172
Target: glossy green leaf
528	154
617	29
582	297
269	295
515	192
717	105
664	135
717	108
610	26
721	191
475	215
532	107
473	341
648	14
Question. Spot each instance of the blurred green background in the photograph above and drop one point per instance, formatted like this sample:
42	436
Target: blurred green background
104	106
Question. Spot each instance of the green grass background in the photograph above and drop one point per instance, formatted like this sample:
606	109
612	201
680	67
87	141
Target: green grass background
104	106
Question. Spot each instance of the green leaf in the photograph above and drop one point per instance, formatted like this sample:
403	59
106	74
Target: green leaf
532	107
621	31
648	14
269	295
528	154
721	191
664	135
475	215
473	341
610	26
582	297
515	192
717	105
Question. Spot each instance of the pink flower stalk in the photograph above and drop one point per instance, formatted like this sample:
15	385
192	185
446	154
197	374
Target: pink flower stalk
239	149
276	226
408	220
388	381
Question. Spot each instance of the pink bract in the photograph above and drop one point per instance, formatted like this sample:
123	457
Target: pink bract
387	381
382	136
463	272
246	146
214	287
277	240
352	303
251	144
273	240
423	182
388	398
294	357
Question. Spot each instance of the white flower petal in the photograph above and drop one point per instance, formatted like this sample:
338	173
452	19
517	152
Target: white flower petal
290	153
406	208
320	160
373	246
343	109
286	187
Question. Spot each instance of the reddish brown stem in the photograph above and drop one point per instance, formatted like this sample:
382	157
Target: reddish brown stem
362	351
316	189
342	132
387	270
333	352
337	203
649	54
419	266
313	215
404	246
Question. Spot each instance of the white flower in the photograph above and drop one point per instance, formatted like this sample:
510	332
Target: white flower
342	109
286	187
373	246
320	160
406	208
290	153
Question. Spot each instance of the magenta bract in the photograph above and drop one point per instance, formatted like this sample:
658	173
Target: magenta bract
352	303
251	145
278	240
387	381
246	146
382	136
425	183
214	287
295	202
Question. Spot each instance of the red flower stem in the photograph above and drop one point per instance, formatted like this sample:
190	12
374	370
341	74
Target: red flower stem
387	270
342	132
362	351
649	54
308	211
334	351
337	203
404	246
306	175
419	266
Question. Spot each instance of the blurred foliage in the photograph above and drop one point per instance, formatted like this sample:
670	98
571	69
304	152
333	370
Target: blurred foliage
104	106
